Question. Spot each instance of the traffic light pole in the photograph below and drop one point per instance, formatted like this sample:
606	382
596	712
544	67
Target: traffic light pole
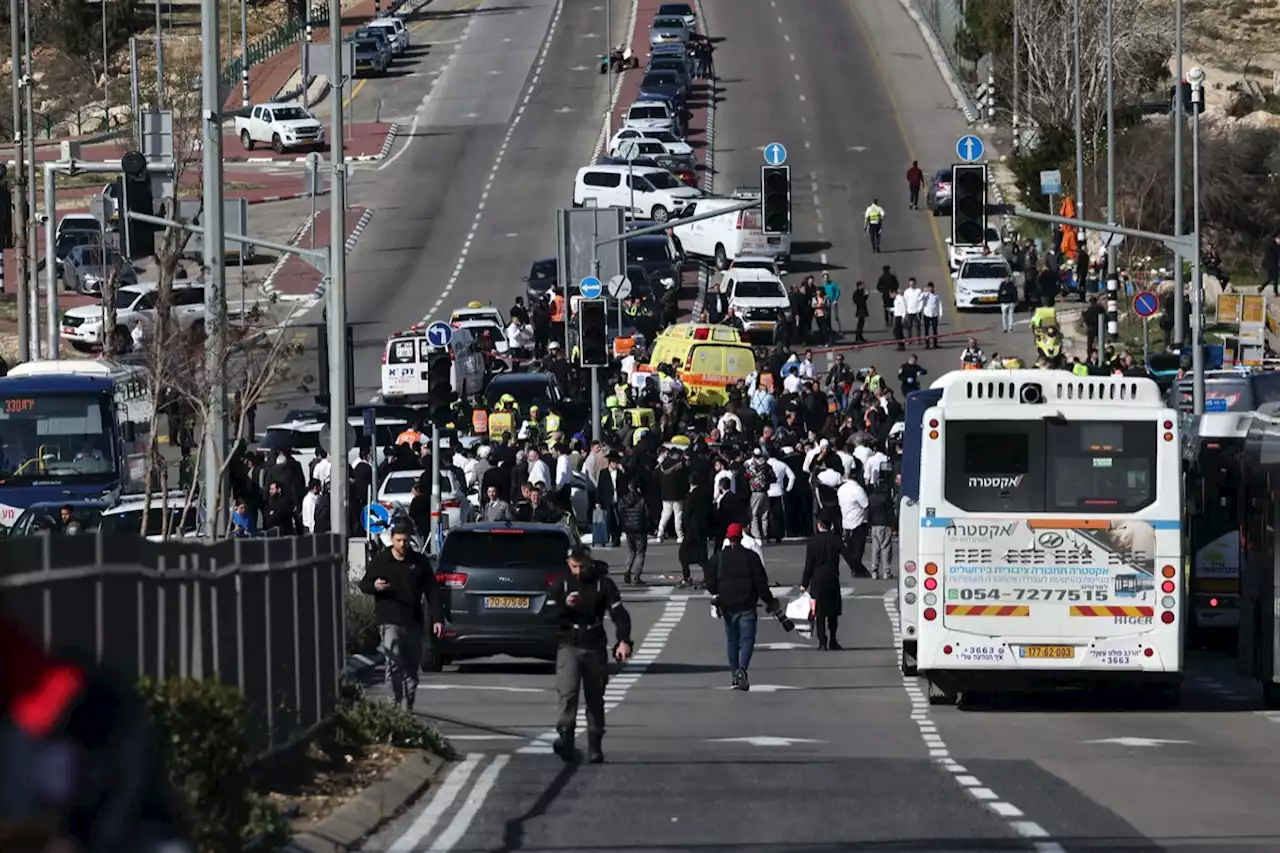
582	349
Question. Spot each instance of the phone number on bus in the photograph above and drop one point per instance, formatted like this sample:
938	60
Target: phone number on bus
1027	595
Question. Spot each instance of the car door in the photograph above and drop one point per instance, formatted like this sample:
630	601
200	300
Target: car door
144	311
643	192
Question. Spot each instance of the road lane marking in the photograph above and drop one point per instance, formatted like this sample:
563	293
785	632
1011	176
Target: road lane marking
462	820
440	802
941	755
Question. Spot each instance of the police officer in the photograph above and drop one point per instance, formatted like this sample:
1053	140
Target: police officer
582	660
873	219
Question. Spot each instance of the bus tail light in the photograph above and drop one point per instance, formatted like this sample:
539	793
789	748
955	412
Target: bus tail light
946	650
930	583
1168	424
451	503
1168	436
1166	587
909	566
1149	652
452	580
930	614
1213	602
930	568
1167	617
1169	572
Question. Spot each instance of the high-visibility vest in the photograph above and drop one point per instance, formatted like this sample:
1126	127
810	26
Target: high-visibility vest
874	214
552	424
557	309
409	436
500	423
479	421
1080	369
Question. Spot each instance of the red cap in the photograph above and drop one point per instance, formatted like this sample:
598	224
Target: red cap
734	531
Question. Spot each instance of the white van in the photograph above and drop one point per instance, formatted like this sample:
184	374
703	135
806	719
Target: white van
653	115
397	32
404	365
726	237
656	193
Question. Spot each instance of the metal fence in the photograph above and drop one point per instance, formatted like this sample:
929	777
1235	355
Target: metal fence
263	615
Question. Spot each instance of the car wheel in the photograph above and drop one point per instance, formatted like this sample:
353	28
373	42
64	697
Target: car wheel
659	214
722	257
277	144
431	659
246	141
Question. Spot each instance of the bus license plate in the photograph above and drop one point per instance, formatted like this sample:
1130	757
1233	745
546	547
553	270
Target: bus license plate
506	602
1050	652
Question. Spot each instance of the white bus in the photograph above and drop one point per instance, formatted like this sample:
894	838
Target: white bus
1050	535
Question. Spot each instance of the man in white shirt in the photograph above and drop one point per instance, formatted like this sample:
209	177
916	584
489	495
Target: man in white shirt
475	469
873	465
323	469
783	480
807	369
931	311
792	383
539	473
914	297
519	339
899	319
628	365
564	476
853	525
309	506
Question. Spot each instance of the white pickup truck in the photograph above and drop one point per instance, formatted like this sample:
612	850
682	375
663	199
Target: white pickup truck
281	126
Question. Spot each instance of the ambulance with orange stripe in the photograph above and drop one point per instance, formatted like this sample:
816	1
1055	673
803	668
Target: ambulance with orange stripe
1050	546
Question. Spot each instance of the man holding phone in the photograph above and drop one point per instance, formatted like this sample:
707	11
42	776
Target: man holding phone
582	660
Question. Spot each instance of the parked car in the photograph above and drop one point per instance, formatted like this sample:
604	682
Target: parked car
542	277
135	306
669	30
938	198
397	489
87	266
46	516
369	58
281	126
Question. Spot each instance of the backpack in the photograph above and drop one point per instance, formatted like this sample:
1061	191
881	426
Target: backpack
760	477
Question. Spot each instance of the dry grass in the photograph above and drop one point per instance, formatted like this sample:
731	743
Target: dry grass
327	777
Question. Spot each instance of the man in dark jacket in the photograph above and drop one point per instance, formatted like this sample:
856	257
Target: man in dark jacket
582	662
697	527
1271	265
399	578
633	514
915	178
1090	317
280	511
611	487
821	580
736	581
887	286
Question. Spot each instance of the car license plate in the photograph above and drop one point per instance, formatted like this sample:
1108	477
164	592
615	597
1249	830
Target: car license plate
68	331
774	241
1047	652
987	298
506	602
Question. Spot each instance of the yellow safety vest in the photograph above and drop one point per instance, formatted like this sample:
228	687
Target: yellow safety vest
552	424
1081	369
500	423
874	214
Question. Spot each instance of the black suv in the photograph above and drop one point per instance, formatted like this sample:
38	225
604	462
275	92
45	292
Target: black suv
495	582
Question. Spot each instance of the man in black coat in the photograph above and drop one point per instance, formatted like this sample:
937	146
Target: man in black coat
736	581
633	512
611	485
697	526
821	580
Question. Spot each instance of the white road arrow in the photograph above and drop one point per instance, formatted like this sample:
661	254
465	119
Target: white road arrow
782	647
579	68
472	115
590	35
565	110
764	688
481	687
766	740
494	73
858	148
1137	741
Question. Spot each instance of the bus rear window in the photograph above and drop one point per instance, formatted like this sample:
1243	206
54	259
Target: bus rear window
1108	467
401	351
989	466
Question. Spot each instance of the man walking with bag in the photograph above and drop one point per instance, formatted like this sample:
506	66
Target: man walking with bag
736	581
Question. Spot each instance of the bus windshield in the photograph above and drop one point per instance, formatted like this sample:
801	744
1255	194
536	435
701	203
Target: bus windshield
57	439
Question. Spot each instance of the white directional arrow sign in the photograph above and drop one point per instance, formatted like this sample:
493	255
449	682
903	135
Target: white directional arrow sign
764	688
766	740
1137	741
782	647
481	687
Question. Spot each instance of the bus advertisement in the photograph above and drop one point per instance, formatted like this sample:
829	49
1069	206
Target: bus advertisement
1050	533
71	430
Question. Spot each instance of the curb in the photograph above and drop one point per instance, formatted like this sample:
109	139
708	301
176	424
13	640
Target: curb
372	808
323	287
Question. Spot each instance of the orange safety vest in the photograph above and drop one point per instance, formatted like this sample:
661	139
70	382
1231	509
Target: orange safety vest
479	421
557	309
409	436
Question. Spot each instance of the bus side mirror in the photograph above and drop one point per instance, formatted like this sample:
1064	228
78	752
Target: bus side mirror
127	432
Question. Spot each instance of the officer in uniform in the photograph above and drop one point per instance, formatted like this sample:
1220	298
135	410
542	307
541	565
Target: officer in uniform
873	219
582	662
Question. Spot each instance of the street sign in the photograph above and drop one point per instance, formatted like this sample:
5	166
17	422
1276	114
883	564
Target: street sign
970	148
1145	304
591	287
439	334
376	518
102	207
619	287
1216	404
775	154
1051	182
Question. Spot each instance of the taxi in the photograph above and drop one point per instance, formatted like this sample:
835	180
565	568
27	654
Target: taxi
476	311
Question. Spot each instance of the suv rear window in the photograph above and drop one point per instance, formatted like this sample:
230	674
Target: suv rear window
513	548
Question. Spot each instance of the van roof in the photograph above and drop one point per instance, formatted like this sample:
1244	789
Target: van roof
752	274
713	333
611	167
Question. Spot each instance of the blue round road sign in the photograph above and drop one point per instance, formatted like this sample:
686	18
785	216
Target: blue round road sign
439	334
970	148
1146	304
775	154
591	287
376	518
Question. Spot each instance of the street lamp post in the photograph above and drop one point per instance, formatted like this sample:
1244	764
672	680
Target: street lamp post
1113	267
1079	125
1179	287
1196	78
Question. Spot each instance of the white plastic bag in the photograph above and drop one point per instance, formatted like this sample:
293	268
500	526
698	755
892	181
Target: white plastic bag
798	609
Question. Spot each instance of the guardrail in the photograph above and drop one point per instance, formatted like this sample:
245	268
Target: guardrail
263	615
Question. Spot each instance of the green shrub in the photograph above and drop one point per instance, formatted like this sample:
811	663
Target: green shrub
362	625
362	721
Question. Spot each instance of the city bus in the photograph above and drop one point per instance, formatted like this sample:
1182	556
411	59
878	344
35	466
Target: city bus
1212	449
909	525
1258	631
74	429
1050	535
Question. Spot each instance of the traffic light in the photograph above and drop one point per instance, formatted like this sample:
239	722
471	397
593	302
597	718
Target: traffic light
775	199
440	378
6	210
968	205
593	333
322	366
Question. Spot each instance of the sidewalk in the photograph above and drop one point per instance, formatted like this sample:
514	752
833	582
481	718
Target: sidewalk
296	280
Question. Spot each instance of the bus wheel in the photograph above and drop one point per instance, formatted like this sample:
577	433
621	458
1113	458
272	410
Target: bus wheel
940	696
908	663
1271	695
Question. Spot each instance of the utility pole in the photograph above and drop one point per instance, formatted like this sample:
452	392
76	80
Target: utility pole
215	287
1179	287
244	55
33	263
20	189
1113	281
337	326
1017	53
159	102
1079	128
